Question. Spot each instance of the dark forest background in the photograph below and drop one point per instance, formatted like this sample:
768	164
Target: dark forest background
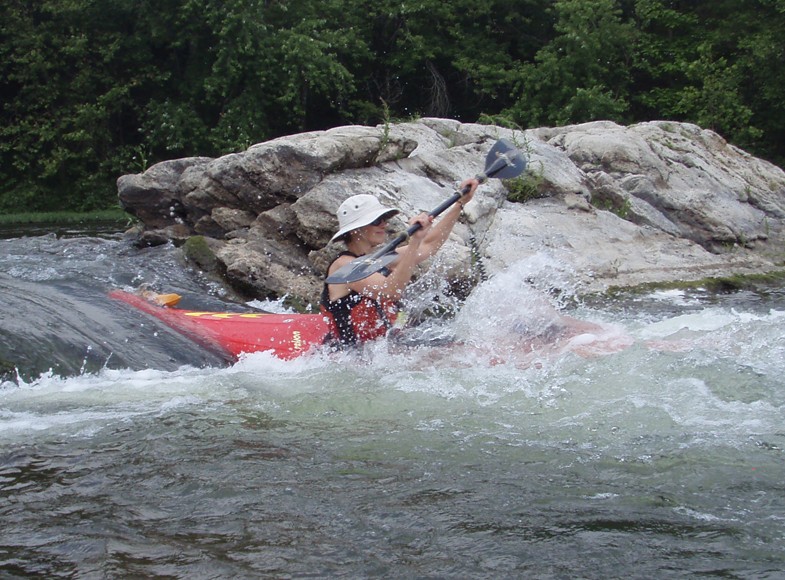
93	89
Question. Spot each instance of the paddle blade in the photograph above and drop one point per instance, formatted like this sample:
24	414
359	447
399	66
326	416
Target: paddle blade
361	268
504	161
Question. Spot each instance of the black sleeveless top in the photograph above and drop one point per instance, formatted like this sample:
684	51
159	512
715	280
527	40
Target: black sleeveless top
356	317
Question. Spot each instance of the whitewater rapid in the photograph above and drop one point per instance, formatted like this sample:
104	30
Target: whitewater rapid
661	458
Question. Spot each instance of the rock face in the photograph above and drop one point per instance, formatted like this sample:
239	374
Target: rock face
620	206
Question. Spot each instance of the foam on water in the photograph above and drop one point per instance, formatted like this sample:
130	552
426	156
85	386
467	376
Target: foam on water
649	441
693	380
273	464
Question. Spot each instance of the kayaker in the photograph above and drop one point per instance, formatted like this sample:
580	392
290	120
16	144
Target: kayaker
367	309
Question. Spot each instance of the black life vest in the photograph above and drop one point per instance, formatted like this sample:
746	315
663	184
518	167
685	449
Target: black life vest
355	317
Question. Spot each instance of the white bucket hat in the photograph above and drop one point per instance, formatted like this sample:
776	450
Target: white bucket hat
358	211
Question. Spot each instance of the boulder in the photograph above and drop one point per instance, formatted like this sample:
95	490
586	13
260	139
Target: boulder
621	205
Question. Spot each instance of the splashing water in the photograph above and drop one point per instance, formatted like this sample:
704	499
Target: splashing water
519	313
661	459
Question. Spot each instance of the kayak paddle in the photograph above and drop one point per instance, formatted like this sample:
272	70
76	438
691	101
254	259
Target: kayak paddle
503	161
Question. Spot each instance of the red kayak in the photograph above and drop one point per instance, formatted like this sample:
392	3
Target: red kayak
233	333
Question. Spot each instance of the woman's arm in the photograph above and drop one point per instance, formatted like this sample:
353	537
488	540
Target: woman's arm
423	244
378	285
440	231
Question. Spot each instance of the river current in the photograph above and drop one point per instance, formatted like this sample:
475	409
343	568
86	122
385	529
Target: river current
126	451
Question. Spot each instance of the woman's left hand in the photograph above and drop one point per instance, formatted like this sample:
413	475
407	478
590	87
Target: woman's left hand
472	183
425	222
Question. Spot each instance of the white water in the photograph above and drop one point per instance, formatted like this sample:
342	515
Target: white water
662	459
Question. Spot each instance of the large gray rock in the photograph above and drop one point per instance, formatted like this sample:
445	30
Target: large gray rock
621	206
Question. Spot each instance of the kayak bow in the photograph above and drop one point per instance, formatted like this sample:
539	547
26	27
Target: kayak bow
233	333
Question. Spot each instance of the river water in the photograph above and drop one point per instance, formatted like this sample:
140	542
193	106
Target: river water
127	452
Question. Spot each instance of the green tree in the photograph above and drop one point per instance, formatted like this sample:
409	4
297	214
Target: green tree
313	57
95	88
92	89
764	82
581	74
408	66
715	64
63	92
667	35
490	40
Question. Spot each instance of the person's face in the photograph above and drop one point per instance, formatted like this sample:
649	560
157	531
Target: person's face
375	232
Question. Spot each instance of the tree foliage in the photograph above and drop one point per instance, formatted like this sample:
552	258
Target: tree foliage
583	72
92	89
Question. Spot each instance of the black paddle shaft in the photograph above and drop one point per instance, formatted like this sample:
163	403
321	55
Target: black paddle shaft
503	161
